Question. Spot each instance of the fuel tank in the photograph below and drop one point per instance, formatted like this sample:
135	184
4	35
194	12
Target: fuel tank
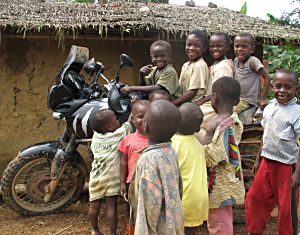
79	121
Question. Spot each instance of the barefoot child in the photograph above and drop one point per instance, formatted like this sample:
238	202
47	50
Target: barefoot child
194	77
159	76
192	168
105	174
247	71
225	179
130	147
154	191
276	160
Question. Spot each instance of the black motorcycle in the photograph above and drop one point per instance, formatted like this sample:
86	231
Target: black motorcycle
47	177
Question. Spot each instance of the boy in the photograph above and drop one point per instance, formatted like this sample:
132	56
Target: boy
154	191
159	95
192	168
105	175
160	77
130	148
275	162
247	71
225	179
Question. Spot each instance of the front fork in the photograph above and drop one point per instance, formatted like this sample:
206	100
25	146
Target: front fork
59	164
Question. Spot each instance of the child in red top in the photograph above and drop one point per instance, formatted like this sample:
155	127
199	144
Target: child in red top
130	148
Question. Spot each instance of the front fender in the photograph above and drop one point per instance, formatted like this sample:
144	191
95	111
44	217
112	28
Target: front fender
48	149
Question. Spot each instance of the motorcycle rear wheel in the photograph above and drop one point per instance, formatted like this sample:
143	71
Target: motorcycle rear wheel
23	183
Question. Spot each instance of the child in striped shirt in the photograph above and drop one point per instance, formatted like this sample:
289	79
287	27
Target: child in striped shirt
105	174
276	161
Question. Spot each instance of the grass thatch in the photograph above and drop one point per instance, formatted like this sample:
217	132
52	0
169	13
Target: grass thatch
129	18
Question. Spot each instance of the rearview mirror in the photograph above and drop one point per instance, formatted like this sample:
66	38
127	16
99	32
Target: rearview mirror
125	60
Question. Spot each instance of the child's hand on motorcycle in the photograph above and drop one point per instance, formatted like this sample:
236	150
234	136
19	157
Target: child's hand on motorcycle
127	90
134	99
146	69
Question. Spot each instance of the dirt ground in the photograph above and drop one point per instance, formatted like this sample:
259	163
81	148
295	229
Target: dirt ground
74	220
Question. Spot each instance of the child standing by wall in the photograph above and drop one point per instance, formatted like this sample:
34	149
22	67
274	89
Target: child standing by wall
154	191
160	75
225	184
247	71
275	162
130	147
192	168
194	77
105	174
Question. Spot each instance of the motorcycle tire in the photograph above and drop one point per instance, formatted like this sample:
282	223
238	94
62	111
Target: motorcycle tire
23	183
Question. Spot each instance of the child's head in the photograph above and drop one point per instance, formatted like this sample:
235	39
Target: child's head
139	109
225	91
159	95
219	44
285	85
161	121
160	52
244	46
191	118
196	44
104	121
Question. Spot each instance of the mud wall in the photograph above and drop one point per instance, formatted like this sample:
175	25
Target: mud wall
28	67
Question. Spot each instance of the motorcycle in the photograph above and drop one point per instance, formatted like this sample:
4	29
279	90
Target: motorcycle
48	177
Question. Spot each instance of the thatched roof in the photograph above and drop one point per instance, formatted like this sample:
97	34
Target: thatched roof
130	18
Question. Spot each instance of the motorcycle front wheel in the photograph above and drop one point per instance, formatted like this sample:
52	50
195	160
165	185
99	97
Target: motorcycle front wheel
24	180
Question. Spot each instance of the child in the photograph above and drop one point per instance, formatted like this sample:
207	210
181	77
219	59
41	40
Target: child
160	77
154	191
194	77
247	71
159	95
192	168
130	147
225	179
105	175
275	162
219	44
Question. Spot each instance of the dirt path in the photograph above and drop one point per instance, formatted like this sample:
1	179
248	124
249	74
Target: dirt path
73	221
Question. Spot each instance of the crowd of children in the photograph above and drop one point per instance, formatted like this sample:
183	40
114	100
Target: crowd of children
172	181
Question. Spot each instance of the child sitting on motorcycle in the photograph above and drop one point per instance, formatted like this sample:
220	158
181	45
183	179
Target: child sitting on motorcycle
105	174
247	69
159	76
131	147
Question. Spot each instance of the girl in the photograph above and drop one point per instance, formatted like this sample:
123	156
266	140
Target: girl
194	73
219	44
